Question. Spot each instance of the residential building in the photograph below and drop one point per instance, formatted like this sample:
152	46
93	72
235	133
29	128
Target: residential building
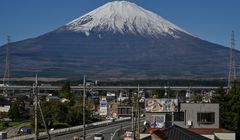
4	105
186	115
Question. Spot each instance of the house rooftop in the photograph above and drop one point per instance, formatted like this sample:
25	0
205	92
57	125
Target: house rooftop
209	131
175	133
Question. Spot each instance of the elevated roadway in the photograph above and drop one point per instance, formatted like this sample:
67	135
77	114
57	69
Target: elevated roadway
107	128
107	132
13	87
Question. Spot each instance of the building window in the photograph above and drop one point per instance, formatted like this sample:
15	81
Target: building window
178	116
206	117
158	121
159	118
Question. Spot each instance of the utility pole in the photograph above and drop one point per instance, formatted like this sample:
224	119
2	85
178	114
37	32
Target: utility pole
138	114
37	105
35	92
232	66
84	107
132	120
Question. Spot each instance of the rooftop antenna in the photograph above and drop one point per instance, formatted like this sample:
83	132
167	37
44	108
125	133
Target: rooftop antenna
232	66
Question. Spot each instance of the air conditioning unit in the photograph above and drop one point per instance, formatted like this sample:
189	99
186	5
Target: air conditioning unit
189	123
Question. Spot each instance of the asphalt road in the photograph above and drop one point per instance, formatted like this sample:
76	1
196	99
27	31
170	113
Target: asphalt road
12	131
107	131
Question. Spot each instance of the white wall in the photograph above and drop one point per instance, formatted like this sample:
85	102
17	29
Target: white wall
4	108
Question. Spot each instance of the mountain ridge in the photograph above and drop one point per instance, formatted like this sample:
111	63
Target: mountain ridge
118	53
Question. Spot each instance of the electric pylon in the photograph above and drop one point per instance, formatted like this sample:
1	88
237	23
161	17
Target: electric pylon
232	66
6	77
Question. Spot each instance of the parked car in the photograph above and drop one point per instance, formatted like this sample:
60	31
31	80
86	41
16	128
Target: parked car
98	136
23	131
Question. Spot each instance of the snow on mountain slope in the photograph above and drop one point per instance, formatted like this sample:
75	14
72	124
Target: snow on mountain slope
123	17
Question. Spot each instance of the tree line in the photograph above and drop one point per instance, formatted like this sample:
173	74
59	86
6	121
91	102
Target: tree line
57	114
229	103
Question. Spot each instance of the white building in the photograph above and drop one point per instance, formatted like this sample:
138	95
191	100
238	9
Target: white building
4	105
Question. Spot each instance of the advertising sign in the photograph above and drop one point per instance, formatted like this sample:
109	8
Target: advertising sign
103	111
161	105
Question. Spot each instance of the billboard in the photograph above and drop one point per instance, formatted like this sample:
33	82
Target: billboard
161	105
103	101
103	111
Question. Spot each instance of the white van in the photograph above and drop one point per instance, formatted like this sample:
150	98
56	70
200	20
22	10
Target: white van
98	137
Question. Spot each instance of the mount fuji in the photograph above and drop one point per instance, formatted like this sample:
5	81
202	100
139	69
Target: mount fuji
125	18
119	40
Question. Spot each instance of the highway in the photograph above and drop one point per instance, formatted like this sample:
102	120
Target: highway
50	87
107	131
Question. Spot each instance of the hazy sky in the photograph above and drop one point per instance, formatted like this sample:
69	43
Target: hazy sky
210	20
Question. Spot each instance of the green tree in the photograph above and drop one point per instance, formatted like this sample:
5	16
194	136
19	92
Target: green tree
74	116
65	91
53	112
157	93
220	97
229	107
233	106
196	98
17	110
76	112
13	112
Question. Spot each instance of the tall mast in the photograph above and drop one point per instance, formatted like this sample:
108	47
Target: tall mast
232	66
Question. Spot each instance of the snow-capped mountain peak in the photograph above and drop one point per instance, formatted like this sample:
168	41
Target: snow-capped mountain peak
123	17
